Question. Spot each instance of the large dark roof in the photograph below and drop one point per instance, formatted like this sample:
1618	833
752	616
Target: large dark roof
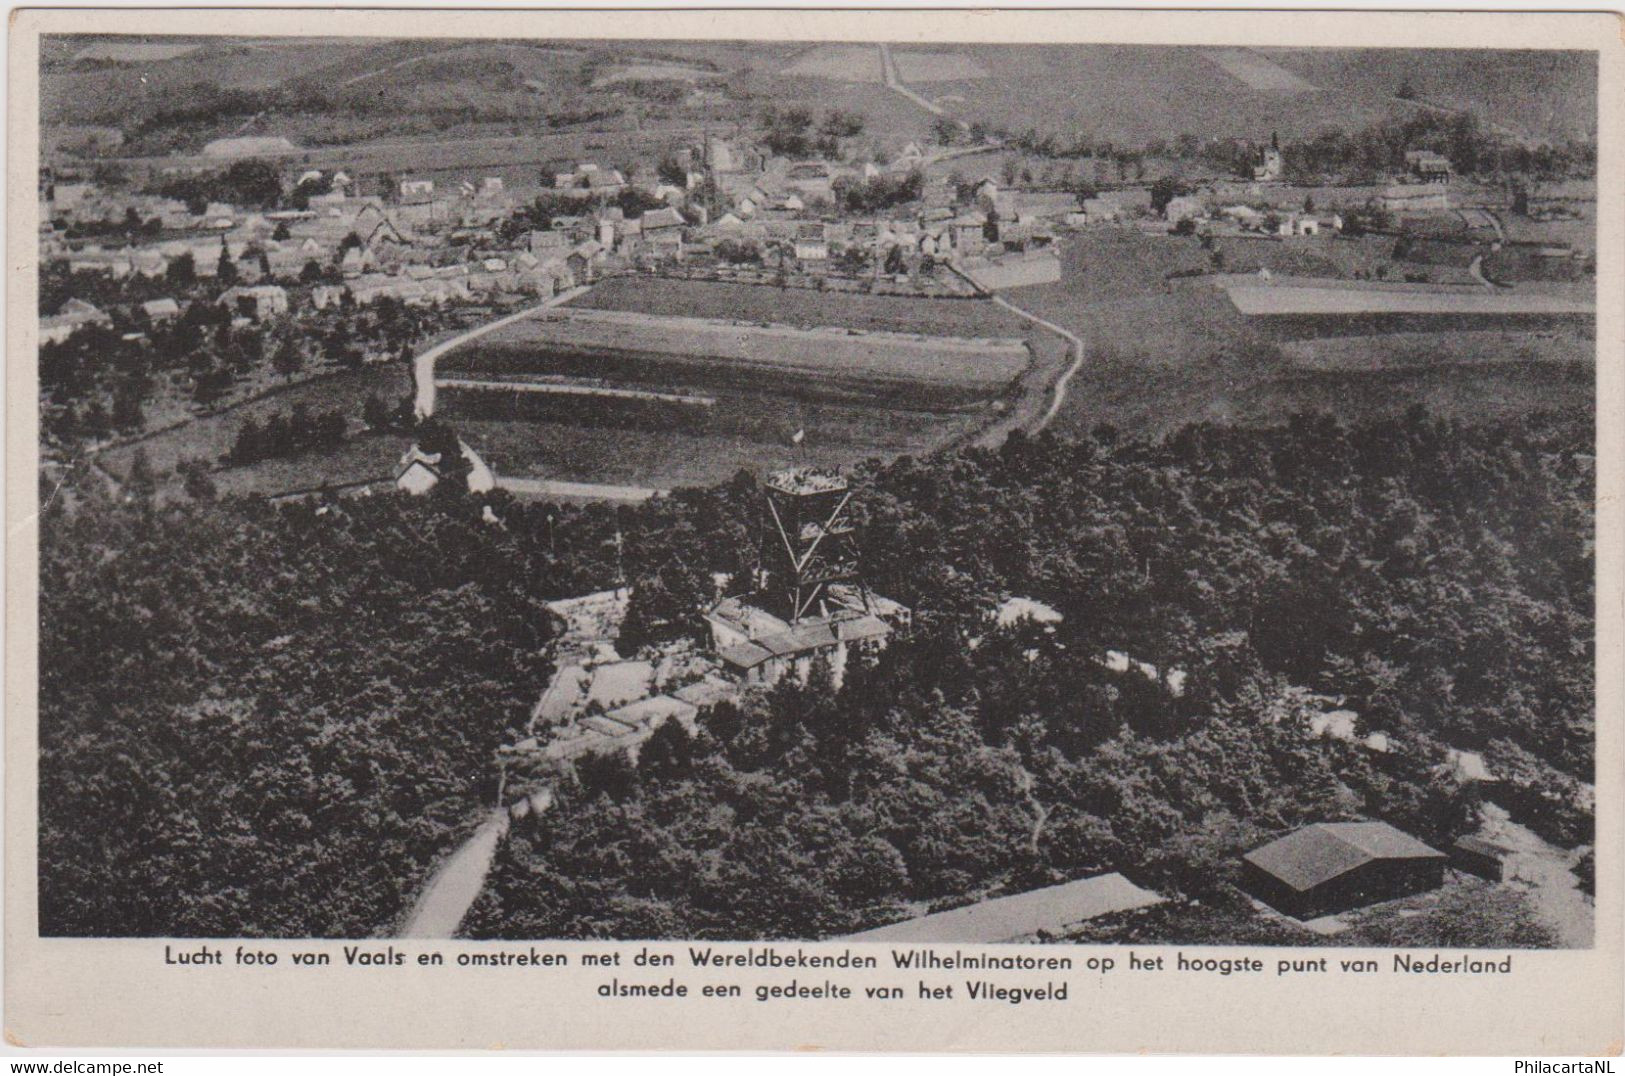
804	638
1316	854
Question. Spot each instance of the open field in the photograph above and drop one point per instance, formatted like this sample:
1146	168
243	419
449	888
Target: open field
667	458
136	52
752	419
1161	92
936	66
801	307
1267	301
1541	95
1163	352
1412	350
653	70
357	98
210	437
659	348
363	458
1157	92
549	386
1257	71
846	63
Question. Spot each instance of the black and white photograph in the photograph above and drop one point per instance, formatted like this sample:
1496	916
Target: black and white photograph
849	491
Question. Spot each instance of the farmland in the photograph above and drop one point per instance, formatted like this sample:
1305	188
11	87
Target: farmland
1411	350
351	105
844	63
802	308
657	349
483	90
1345	300
1159	92
1165	350
864	376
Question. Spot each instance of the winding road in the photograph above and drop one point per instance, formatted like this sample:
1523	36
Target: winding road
1072	338
423	365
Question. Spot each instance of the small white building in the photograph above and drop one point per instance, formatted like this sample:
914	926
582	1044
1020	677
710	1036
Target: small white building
161	309
258	301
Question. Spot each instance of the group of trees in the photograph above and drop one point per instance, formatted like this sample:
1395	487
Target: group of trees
130	227
790	132
252	182
1425	571
1379	149
101	378
878	193
1436	575
1361	156
287	435
266	721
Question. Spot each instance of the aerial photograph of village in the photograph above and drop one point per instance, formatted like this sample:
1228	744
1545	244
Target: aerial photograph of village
616	489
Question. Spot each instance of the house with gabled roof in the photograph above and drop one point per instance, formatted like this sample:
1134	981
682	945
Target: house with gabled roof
1334	867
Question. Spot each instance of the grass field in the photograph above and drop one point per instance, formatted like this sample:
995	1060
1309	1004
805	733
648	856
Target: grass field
684	351
209	437
666	458
1161	92
753	420
845	63
1273	301
1161	353
801	307
1413	350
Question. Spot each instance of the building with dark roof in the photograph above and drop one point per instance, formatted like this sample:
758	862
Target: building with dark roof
1475	855
1335	866
1021	917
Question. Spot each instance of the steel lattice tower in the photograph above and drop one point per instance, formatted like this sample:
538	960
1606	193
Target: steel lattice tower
807	541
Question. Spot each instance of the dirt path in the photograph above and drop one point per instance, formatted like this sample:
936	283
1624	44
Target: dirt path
1072	339
1546	872
408	62
458	882
423	365
888	66
591	491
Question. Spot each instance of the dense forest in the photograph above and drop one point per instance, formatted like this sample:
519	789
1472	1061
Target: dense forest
279	716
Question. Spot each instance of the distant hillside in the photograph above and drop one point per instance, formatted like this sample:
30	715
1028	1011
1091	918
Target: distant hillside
1126	93
1135	93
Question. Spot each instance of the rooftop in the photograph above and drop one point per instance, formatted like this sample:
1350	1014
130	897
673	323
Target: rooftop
1007	919
809	635
806	480
1014	610
1318	853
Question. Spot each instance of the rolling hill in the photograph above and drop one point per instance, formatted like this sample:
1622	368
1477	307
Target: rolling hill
1129	94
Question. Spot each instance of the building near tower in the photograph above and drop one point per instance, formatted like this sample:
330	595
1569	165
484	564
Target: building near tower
810	598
